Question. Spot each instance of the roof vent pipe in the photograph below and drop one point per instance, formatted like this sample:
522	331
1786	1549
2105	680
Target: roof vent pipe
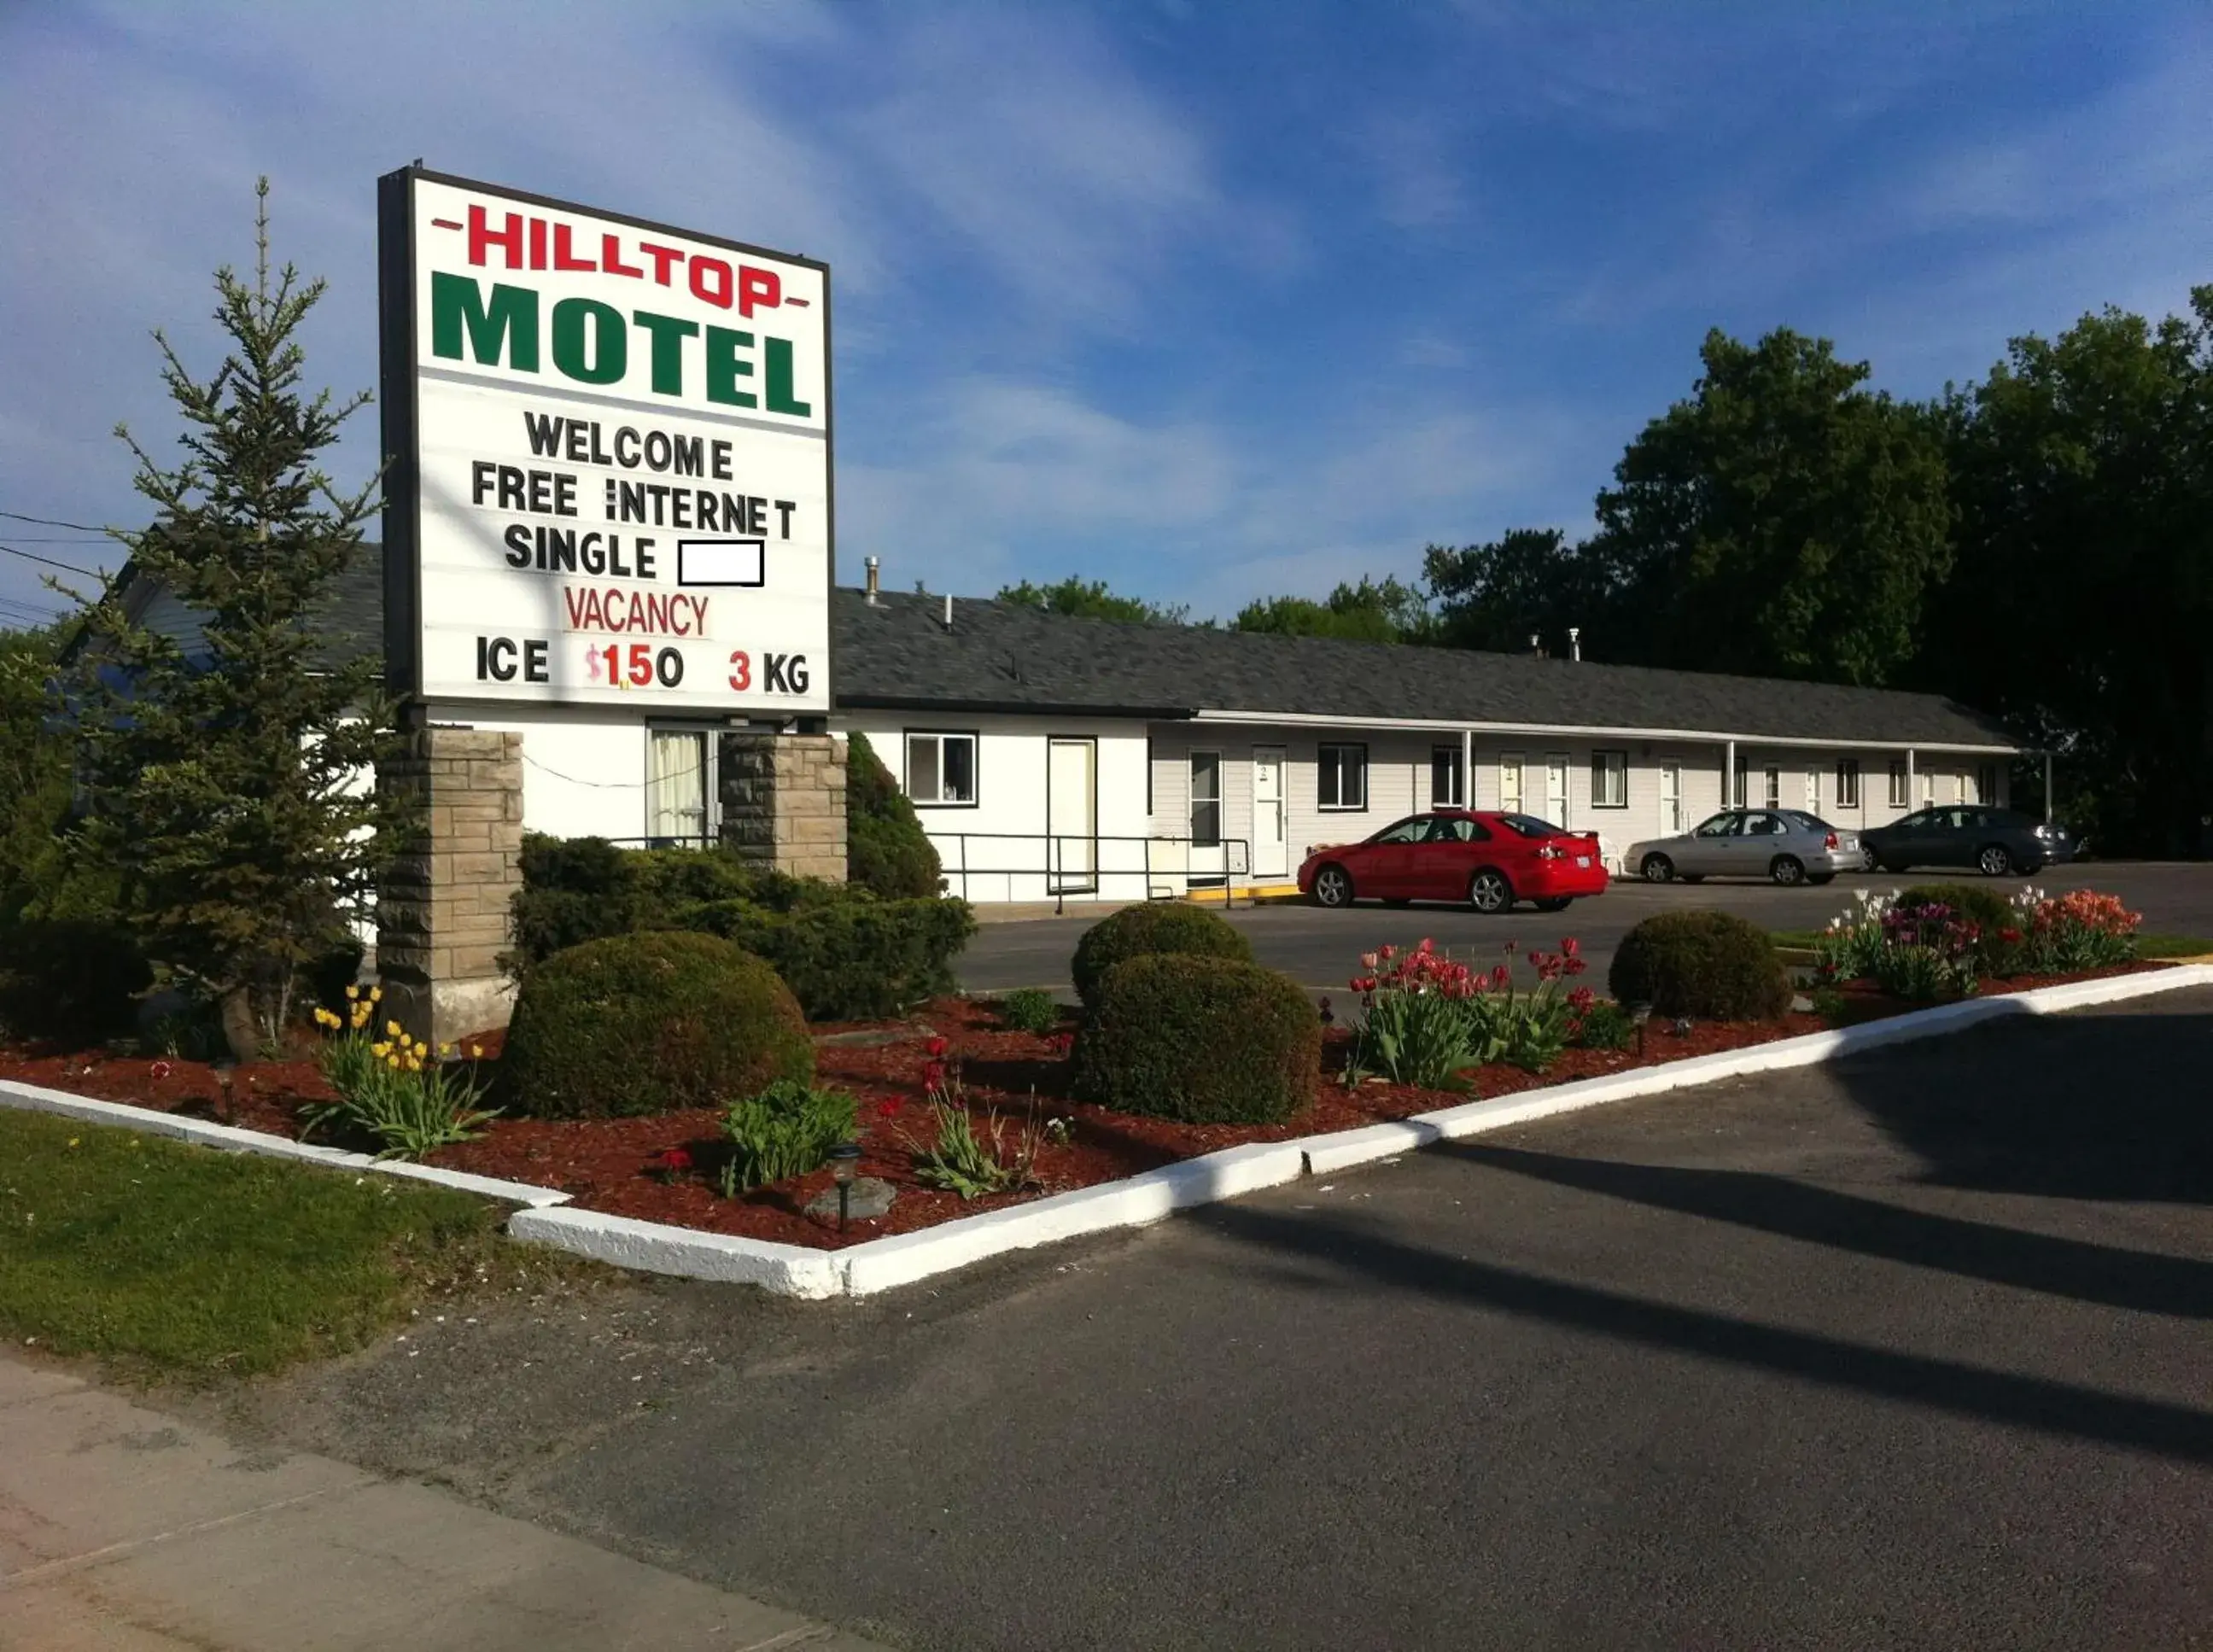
1575	642
948	611
1536	646
870	563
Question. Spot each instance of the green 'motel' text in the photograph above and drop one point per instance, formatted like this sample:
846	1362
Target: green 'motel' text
590	342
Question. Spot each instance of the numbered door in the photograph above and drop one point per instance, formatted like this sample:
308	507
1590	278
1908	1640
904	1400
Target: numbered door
1509	782
1071	816
1271	845
1556	788
1671	799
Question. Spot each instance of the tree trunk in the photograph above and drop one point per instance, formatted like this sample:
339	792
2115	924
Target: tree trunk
240	1029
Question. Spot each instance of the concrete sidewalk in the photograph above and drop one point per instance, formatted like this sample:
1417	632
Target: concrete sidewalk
128	1531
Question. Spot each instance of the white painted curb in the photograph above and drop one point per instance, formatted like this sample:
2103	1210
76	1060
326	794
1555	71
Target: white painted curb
902	1259
230	1139
659	1247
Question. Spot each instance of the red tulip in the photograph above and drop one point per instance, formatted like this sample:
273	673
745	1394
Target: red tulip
936	1046
161	1069
676	1158
1570	947
933	1076
890	1109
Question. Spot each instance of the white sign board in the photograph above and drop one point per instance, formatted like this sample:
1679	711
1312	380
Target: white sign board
608	448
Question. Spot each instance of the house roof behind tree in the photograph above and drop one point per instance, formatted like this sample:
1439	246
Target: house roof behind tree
898	653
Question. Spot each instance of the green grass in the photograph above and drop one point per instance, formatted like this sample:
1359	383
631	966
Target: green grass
186	1262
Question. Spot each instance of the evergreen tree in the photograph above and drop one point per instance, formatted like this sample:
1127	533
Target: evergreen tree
227	780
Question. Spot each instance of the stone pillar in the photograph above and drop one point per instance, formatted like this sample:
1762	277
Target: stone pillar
784	800
443	913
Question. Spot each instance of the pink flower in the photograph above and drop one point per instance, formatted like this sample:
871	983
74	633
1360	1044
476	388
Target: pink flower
1501	978
1428	945
1367	960
936	1046
161	1069
1582	999
1386	952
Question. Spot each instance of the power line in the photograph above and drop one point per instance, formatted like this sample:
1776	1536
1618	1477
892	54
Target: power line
51	521
66	567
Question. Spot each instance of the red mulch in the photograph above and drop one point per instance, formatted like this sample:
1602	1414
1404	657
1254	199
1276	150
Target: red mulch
610	1165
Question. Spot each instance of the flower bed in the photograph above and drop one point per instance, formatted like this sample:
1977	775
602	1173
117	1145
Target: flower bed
957	1053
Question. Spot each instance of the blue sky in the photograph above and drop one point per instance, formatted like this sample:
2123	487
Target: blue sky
1209	302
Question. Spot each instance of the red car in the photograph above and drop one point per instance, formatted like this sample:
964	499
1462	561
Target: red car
1486	859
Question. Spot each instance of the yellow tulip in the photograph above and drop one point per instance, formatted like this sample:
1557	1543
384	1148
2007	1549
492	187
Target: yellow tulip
353	992
393	1062
476	1052
380	1049
374	993
393	1030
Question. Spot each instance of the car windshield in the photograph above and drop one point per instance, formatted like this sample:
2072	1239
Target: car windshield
1530	827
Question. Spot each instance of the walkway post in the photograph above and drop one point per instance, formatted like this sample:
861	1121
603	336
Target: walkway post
2047	788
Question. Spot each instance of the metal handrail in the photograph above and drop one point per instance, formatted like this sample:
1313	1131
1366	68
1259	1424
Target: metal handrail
1052	863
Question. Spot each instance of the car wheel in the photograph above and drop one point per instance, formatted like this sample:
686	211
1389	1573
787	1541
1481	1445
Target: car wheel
1694	877
1333	887
1994	861
1556	904
1895	867
1658	868
1867	862
2029	868
1488	891
1787	870
1819	878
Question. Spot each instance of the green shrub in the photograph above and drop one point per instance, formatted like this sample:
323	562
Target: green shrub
852	959
1207	1041
70	981
1027	1009
1705	964
1154	927
1985	908
848	953
649	1023
784	1130
1604	1025
886	851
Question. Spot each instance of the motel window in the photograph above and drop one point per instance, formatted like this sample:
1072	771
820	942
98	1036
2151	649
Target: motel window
1848	782
1773	790
1986	783
1898	793
940	769
1341	777
1609	779
676	786
1205	800
1447	790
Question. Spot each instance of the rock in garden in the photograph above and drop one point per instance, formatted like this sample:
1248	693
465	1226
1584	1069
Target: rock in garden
871	1197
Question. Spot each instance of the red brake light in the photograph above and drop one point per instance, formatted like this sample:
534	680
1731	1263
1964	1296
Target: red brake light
1551	852
1829	841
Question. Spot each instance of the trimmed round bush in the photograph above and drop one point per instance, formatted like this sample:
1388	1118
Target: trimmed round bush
1711	964
1155	927
1205	1040
650	1023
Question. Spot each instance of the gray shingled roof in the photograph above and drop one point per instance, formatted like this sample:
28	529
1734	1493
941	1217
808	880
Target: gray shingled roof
1001	656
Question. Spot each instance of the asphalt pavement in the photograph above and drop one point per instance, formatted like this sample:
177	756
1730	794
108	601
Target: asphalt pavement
1908	1350
1321	949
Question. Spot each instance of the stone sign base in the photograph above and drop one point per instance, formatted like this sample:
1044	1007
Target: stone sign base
784	800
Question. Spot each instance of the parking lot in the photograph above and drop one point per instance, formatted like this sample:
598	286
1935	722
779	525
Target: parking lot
1321	948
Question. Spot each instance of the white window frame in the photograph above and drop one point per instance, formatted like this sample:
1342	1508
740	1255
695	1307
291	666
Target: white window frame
1848	782
1609	777
975	739
1192	801
705	734
1901	784
1323	767
1772	785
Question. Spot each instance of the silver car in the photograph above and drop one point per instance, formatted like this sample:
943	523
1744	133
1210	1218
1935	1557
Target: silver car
1784	845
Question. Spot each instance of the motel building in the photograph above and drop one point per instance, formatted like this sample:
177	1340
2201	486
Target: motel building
1074	760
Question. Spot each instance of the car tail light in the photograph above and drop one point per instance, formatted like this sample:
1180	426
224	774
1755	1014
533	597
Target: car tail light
1551	852
1829	841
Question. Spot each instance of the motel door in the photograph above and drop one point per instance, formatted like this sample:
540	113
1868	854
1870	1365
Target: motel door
1271	845
1556	788
1071	816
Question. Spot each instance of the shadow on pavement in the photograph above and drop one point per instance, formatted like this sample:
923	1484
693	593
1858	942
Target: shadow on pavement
2088	1272
2062	1409
2105	1106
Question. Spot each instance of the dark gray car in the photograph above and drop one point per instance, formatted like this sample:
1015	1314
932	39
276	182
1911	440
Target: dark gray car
1994	841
